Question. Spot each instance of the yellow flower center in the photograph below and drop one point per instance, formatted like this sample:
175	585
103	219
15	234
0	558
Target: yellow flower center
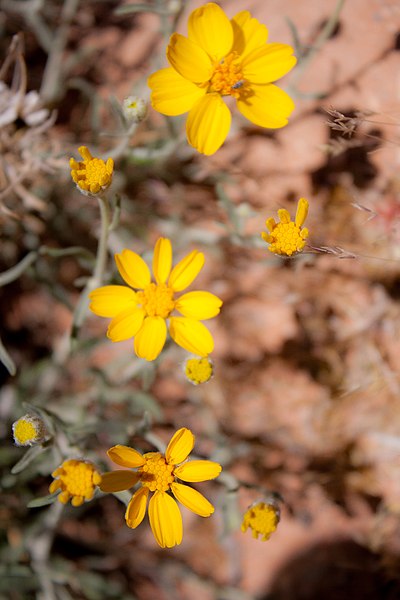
76	479
262	519
227	78
157	300
96	172
286	239
198	370
156	474
25	432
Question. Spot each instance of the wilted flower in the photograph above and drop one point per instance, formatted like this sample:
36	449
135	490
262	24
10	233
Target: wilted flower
77	480
222	58
29	430
199	370
92	175
14	105
144	314
287	237
159	473
262	518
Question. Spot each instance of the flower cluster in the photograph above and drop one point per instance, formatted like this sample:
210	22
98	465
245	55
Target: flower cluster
160	474
219	60
222	58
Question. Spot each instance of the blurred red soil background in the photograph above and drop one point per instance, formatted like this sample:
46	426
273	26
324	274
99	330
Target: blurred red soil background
305	398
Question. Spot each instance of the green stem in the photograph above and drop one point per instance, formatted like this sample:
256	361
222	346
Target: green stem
101	257
98	274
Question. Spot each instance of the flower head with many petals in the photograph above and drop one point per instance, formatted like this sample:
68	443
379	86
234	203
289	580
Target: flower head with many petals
222	58
287	237
262	518
144	314
158	473
76	480
91	175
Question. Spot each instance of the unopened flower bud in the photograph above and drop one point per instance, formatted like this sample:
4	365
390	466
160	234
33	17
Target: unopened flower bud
134	109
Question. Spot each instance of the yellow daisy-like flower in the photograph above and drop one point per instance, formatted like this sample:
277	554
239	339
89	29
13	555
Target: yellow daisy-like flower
92	175
159	473
29	430
199	370
144	314
287	237
77	479
262	518
222	58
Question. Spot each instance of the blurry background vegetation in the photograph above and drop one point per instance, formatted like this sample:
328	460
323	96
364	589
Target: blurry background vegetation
305	399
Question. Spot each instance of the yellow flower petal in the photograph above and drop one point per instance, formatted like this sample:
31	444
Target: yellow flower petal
180	446
126	324
284	216
211	29
189	59
249	33
162	260
150	339
198	470
268	63
266	237
109	300
268	107
304	233
192	499
191	335
301	213
126	457
271	224
133	269
165	520
199	305
136	508
172	94
117	481
186	271
208	124
54	486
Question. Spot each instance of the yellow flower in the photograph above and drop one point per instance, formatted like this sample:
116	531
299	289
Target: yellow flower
92	175
287	237
159	473
222	58
77	479
29	430
144	314
199	370
262	518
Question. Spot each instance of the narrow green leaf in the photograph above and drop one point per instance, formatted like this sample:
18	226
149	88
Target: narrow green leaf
43	501
6	359
27	458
